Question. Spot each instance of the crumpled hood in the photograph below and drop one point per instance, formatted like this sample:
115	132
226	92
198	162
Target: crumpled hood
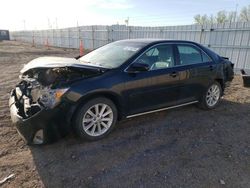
52	62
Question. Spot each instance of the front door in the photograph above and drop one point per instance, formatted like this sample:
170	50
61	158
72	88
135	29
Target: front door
157	87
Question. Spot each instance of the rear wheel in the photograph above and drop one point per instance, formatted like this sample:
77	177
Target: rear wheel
211	97
96	119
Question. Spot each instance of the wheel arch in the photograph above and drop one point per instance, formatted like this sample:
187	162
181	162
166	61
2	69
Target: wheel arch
221	82
116	99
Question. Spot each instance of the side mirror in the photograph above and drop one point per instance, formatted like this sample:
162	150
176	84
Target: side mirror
138	67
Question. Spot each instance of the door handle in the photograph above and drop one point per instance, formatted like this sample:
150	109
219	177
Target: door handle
173	74
211	67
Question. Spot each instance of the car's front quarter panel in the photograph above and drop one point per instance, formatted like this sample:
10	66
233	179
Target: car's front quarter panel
109	83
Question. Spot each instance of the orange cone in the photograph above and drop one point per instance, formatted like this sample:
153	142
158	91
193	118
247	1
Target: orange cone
81	48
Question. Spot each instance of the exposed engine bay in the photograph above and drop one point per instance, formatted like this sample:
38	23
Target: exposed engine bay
57	77
43	87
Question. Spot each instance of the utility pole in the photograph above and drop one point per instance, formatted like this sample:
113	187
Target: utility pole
127	22
56	24
24	25
49	24
235	14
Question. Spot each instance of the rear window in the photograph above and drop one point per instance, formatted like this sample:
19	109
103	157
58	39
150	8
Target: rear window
192	55
189	55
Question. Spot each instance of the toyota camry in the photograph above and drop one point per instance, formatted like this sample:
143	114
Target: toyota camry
123	79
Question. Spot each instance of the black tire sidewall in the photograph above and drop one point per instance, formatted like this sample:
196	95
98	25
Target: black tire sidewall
82	110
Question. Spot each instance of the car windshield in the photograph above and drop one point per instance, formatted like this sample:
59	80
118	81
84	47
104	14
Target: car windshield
111	55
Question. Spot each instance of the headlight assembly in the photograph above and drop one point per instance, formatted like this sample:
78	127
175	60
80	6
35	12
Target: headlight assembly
51	97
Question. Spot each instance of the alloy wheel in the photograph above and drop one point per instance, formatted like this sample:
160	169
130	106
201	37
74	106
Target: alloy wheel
213	95
97	119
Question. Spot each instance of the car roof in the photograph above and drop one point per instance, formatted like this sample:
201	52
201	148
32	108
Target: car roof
151	40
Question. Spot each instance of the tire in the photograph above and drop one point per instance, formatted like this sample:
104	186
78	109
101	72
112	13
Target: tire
214	90
95	119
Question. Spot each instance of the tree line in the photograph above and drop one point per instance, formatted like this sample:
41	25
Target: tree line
224	16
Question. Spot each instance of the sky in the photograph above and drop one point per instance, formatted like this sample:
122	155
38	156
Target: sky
44	14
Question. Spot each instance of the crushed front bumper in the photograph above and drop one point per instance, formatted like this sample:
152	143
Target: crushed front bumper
45	126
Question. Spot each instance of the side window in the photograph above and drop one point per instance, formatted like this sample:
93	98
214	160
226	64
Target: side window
205	57
158	57
152	52
189	55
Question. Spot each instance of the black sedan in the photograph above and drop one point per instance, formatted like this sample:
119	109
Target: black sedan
120	80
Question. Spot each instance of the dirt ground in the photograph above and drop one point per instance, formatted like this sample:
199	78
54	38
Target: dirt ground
184	147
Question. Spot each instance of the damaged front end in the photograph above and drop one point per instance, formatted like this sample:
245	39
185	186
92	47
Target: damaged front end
37	106
43	88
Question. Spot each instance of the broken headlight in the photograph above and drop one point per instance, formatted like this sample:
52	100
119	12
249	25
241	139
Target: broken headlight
51	97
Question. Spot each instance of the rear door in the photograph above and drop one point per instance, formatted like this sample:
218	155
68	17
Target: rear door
196	71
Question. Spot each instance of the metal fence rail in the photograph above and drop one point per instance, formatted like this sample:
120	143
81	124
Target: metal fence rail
229	39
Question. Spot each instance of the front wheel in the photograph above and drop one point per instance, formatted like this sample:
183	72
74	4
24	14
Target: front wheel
211	97
95	119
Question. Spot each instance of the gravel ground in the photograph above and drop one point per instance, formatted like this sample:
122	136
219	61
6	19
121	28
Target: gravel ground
184	147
